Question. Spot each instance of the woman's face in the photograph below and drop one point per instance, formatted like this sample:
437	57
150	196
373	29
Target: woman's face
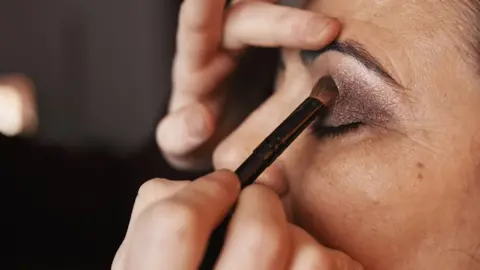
400	190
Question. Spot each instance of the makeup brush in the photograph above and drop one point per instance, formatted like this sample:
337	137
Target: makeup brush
321	98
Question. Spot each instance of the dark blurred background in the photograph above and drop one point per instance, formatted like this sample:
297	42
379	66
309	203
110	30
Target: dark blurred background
101	70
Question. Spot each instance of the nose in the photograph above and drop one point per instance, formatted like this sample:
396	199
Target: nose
240	144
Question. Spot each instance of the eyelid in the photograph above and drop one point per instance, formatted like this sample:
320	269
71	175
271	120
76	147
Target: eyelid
355	50
364	96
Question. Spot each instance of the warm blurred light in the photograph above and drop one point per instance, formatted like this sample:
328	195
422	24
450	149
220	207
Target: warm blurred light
17	106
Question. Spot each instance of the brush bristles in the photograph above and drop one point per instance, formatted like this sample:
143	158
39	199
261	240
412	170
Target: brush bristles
325	90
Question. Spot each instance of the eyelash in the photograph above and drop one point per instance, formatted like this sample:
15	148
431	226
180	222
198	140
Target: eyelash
321	131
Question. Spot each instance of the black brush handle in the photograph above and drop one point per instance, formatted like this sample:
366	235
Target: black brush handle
215	244
262	157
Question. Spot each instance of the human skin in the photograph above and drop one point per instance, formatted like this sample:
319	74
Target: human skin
171	220
400	191
397	193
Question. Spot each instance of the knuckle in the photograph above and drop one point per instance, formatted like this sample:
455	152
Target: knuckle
183	162
261	237
315	258
180	213
152	187
162	133
158	189
226	155
174	219
189	18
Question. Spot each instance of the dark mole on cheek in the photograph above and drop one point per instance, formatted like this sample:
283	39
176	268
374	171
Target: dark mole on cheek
420	165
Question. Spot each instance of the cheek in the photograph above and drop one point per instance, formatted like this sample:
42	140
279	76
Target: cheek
363	198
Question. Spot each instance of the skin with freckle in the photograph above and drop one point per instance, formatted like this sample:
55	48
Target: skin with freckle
388	179
403	190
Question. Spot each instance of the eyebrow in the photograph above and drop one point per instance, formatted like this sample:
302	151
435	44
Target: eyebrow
355	50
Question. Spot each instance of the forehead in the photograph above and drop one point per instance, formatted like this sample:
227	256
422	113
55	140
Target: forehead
426	19
405	12
423	33
403	18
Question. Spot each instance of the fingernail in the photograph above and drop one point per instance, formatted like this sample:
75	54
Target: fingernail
227	174
318	30
197	125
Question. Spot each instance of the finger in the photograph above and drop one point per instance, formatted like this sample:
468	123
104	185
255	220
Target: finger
199	31
256	23
183	131
150	192
257	236
153	191
173	232
308	254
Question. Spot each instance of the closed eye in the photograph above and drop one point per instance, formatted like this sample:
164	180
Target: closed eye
321	131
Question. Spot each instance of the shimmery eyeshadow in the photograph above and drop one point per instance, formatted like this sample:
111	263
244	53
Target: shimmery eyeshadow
362	99
363	96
